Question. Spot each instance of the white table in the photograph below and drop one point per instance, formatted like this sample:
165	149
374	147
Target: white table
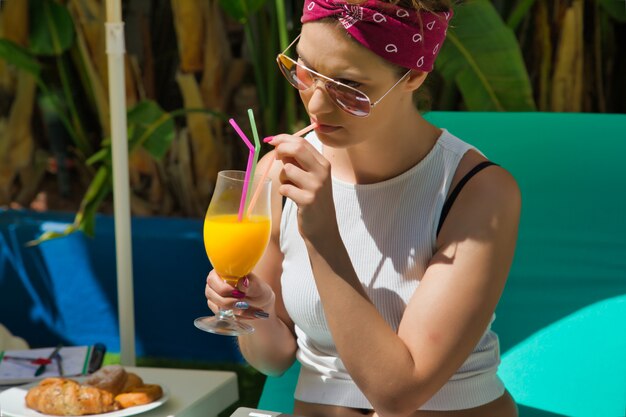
193	393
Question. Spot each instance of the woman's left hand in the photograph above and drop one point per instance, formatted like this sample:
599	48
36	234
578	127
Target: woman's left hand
306	179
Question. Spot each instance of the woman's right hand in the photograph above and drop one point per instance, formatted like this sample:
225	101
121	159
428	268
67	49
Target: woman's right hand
251	299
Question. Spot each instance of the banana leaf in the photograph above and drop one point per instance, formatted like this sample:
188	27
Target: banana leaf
615	8
152	128
568	79
482	56
52	33
241	10
519	13
149	127
22	59
189	24
85	219
207	149
19	57
52	28
14	21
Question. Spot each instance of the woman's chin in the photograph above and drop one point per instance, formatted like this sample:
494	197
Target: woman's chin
336	139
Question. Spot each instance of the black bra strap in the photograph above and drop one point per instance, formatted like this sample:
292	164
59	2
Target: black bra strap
455	193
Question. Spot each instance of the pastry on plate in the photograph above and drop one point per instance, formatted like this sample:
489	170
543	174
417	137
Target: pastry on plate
110	388
66	397
111	378
141	395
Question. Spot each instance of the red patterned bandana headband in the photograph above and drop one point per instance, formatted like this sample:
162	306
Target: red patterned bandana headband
402	36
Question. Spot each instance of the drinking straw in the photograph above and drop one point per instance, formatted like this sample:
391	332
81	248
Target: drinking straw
257	150
257	192
246	181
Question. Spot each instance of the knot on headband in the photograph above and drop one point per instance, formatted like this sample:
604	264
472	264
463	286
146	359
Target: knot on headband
402	36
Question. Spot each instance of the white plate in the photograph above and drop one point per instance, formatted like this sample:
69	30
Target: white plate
13	404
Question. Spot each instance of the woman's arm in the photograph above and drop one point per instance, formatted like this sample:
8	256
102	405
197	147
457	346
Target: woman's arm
449	311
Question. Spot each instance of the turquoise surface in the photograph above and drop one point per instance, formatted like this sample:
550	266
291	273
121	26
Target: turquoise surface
571	366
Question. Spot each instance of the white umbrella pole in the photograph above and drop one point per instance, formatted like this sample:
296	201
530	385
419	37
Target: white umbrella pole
121	194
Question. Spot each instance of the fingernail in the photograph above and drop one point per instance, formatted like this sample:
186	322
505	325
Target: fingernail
242	305
261	315
238	294
246	282
268	139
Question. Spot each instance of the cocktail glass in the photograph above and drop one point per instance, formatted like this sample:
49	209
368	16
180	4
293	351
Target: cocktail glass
234	245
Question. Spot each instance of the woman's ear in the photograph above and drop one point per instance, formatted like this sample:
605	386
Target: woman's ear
415	80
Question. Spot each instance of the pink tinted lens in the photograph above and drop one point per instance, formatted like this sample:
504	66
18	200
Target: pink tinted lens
294	73
352	101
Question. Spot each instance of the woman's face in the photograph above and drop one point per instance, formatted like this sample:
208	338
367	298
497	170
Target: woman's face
325	47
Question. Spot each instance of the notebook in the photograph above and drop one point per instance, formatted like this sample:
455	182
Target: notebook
20	366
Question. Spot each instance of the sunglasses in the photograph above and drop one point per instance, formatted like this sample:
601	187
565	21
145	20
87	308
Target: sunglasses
347	98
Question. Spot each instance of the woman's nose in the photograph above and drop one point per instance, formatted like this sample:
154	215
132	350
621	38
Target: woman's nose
319	101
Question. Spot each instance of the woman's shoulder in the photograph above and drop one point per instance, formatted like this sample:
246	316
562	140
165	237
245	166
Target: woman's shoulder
491	194
470	157
493	182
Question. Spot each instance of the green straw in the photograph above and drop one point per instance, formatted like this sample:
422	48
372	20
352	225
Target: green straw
257	150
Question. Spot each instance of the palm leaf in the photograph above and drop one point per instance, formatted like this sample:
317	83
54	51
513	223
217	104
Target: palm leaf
482	56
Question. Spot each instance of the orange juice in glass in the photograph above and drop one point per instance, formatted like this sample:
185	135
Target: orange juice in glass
234	240
234	246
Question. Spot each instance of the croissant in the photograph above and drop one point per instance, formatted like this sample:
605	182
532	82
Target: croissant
65	397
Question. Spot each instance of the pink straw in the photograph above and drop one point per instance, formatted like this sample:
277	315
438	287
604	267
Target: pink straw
257	192
246	180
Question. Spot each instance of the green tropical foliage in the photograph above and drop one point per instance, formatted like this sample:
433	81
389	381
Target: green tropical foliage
482	56
194	55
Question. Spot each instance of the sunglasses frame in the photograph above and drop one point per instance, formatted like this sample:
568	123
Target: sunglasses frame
317	75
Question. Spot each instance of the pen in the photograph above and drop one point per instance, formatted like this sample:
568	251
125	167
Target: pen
59	360
40	370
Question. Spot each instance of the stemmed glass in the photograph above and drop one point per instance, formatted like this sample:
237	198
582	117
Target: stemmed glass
234	241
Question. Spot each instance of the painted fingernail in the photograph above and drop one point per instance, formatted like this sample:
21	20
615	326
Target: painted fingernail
238	294
261	315
268	139
246	282
242	305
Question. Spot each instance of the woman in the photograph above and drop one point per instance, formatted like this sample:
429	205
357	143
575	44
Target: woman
379	278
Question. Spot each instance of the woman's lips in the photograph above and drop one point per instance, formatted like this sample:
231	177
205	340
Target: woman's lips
322	128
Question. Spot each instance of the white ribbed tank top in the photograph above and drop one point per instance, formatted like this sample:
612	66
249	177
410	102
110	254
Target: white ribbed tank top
389	229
